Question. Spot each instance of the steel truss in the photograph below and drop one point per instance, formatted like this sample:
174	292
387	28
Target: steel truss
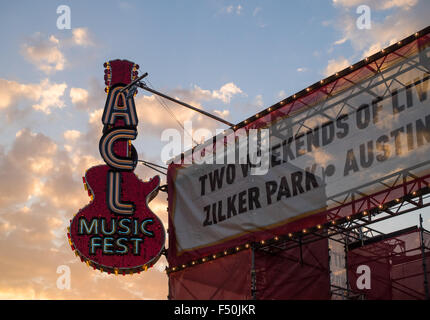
351	231
298	124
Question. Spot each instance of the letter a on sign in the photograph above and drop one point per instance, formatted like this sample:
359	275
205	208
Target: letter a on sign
363	281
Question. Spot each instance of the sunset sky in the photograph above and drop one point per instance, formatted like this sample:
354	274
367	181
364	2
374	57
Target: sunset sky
232	58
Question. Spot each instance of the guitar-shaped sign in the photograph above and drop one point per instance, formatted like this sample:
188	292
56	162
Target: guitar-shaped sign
117	232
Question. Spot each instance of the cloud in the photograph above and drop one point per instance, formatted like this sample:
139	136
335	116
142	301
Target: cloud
407	17
33	233
302	69
124	5
47	53
50	96
256	11
282	94
21	168
226	92
45	95
78	95
259	101
30	270
229	9
320	157
335	65
81	37
340	41
262	25
232	9
11	92
161	119
154	118
374	48
89	99
239	9
71	135
223	114
197	94
44	53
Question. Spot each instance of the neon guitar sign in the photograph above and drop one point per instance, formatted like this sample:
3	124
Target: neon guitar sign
117	232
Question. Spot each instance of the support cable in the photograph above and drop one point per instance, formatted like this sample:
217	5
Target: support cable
151	167
166	107
152	164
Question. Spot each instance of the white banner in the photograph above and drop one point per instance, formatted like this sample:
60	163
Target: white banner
370	131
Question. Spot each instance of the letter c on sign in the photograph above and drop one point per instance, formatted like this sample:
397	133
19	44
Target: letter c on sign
106	148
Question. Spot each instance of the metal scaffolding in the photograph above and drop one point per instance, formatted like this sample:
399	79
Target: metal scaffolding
352	234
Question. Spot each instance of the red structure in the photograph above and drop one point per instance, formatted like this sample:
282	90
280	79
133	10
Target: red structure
258	274
398	262
228	278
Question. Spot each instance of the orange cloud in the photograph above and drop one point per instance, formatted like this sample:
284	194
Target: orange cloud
33	234
41	189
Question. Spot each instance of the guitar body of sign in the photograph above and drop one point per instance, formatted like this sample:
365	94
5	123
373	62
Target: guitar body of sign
128	242
117	232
